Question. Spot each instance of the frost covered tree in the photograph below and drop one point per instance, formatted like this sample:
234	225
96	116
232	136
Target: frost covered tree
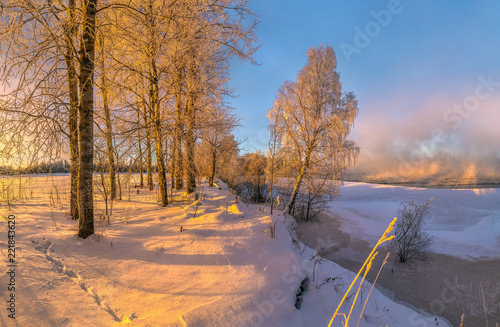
39	54
106	99
254	167
273	154
143	71
209	34
86	119
410	238
314	118
217	142
48	51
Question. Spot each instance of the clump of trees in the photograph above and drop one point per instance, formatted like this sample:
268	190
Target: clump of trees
308	148
145	81
410	237
246	175
253	168
217	143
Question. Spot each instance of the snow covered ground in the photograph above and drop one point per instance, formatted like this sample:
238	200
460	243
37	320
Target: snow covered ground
222	269
464	222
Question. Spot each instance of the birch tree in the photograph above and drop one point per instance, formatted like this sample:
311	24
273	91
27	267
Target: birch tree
106	115
217	142
86	118
70	33
142	50
274	151
314	118
39	55
42	37
177	157
209	35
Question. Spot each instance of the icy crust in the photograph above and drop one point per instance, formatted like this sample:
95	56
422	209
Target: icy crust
464	223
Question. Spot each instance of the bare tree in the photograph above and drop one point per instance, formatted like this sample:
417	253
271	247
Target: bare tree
189	144
42	90
410	237
149	157
273	155
139	145
215	127
71	30
315	196
154	100
104	88
40	57
314	118
146	29
230	165
209	34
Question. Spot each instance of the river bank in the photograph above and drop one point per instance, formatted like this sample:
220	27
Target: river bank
443	285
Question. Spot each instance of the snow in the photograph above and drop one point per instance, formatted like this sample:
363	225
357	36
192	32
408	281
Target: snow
221	269
464	222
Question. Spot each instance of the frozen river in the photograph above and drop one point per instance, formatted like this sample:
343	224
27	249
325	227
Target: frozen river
464	222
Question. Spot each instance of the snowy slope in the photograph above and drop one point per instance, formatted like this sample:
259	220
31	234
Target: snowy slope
223	269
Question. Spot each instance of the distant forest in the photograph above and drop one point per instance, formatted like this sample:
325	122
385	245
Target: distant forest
60	166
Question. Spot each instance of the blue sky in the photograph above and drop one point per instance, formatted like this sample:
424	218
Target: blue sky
427	58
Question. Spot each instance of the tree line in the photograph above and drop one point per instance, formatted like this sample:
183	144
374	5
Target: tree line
127	80
144	84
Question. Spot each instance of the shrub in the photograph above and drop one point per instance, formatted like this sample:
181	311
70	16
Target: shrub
410	237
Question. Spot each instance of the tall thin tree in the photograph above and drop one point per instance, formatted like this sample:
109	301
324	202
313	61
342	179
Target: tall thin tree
86	118
314	119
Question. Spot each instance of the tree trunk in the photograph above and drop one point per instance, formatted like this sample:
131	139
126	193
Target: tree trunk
154	107
139	141
119	180
189	145
172	165
147	128
271	184
308	207
73	109
189	168
212	173
109	128
298	181
103	184
258	195
272	148
86	123
160	160
178	134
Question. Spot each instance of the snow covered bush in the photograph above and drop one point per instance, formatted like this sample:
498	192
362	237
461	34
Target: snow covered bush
410	237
